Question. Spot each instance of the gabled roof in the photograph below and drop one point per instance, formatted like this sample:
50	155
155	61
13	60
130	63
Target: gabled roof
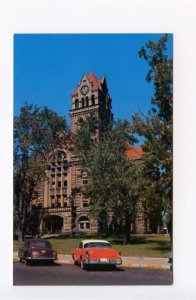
93	80
134	153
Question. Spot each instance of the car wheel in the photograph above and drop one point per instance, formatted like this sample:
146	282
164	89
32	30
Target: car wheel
75	261
82	265
26	261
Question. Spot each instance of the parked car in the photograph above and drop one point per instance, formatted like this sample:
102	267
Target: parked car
37	250
96	252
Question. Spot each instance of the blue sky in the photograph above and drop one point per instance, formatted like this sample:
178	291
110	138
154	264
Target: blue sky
48	67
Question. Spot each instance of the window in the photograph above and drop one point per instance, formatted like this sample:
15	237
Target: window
84	177
65	183
82	102
93	100
84	223
76	103
85	204
41	244
97	245
87	101
59	184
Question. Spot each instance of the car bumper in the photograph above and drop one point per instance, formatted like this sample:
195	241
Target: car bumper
102	262
49	258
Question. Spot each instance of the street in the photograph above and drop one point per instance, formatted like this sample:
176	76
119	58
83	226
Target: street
73	275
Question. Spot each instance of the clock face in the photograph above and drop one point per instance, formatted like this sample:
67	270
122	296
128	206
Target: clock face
84	90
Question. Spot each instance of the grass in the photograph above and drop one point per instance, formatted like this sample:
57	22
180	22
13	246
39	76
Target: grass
141	245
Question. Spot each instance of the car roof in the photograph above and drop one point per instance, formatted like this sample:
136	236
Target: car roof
36	240
94	241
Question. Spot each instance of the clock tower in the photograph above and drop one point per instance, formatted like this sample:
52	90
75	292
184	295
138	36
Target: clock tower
91	96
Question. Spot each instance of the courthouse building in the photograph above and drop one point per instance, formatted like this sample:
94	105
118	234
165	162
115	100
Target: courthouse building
60	210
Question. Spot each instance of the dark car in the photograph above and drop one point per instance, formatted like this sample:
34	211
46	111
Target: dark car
37	250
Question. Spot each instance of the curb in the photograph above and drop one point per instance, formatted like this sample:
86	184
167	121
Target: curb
130	262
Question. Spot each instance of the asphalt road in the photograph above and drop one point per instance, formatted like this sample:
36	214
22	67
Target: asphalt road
72	275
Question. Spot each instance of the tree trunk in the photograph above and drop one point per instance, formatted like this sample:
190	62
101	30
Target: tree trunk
21	231
127	229
22	220
170	228
99	228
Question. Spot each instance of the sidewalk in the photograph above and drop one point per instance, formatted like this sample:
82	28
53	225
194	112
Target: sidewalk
131	262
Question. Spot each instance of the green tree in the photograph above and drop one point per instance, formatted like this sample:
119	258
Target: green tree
113	179
156	128
37	132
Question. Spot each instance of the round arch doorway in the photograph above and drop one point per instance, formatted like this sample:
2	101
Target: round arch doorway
53	224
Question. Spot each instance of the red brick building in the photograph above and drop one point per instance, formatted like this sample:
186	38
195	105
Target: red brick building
59	211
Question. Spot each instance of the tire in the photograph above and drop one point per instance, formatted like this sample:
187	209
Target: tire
27	262
82	265
75	261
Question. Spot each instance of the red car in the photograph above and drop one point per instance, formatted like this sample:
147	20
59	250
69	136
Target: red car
96	252
37	250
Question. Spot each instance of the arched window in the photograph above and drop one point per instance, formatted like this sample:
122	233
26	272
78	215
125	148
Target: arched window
84	177
76	103
93	99
84	223
87	101
58	177
82	102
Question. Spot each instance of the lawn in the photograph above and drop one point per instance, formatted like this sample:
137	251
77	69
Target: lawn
140	246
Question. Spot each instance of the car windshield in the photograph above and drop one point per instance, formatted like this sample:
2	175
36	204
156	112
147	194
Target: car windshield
97	245
41	244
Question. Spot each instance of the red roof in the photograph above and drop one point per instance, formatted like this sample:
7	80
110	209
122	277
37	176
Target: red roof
93	80
134	153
